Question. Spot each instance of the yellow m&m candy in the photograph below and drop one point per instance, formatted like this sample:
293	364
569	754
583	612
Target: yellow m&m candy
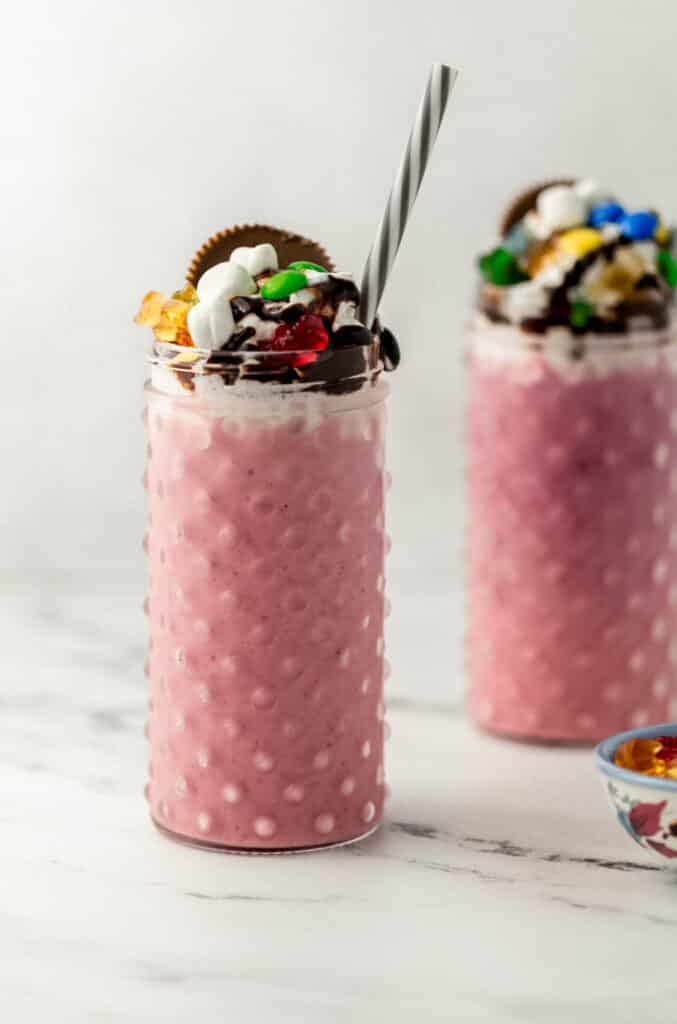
662	235
579	241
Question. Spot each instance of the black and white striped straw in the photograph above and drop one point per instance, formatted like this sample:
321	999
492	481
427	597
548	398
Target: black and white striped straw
405	189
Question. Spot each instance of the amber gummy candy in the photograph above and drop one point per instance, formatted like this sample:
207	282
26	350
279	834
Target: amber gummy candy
168	317
656	756
151	308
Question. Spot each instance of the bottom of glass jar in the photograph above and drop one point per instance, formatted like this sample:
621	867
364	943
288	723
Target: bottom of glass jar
545	738
259	851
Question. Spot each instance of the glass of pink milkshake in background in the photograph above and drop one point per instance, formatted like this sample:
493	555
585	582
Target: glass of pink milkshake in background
572	471
266	544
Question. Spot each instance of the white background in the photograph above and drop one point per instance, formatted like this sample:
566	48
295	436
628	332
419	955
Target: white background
501	889
132	131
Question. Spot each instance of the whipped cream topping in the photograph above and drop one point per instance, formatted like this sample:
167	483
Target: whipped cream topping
247	303
506	348
580	259
246	318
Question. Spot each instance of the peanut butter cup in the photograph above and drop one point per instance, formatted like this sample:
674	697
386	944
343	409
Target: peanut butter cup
290	248
525	201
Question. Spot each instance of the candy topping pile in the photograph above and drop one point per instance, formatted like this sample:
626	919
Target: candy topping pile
656	756
248	305
577	258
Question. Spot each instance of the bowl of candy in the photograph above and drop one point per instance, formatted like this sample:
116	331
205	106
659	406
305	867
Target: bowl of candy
639	772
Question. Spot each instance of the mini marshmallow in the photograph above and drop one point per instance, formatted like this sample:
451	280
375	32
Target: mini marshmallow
525	301
590	192
305	296
211	321
610	232
534	227
315	277
531	298
263	329
647	251
231	278
255	259
553	274
346	316
559	207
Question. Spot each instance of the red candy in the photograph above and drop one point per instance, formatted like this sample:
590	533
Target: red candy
308	334
657	756
281	341
668	747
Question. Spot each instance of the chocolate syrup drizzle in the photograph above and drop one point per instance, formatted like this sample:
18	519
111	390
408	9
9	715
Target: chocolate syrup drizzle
650	306
340	368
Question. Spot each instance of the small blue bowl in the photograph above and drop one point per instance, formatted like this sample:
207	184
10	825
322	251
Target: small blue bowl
646	805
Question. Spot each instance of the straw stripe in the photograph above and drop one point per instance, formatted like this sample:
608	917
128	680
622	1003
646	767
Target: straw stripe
405	189
404	193
425	129
383	255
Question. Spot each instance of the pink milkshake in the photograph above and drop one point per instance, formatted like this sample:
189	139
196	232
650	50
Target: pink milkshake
572	473
266	546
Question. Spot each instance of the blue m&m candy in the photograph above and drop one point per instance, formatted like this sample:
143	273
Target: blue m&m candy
639	225
605	213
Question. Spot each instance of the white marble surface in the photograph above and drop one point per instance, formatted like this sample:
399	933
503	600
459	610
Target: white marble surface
499	890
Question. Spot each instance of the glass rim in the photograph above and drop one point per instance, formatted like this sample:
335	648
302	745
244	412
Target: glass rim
347	367
559	338
171	350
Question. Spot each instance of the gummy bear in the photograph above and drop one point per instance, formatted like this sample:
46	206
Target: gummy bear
150	310
637	755
186	294
656	756
307	336
172	325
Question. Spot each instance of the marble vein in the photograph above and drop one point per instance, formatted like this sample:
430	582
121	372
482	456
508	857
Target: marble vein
499	890
507	848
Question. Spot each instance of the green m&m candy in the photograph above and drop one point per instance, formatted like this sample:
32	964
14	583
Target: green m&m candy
307	265
579	313
668	267
500	267
282	284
